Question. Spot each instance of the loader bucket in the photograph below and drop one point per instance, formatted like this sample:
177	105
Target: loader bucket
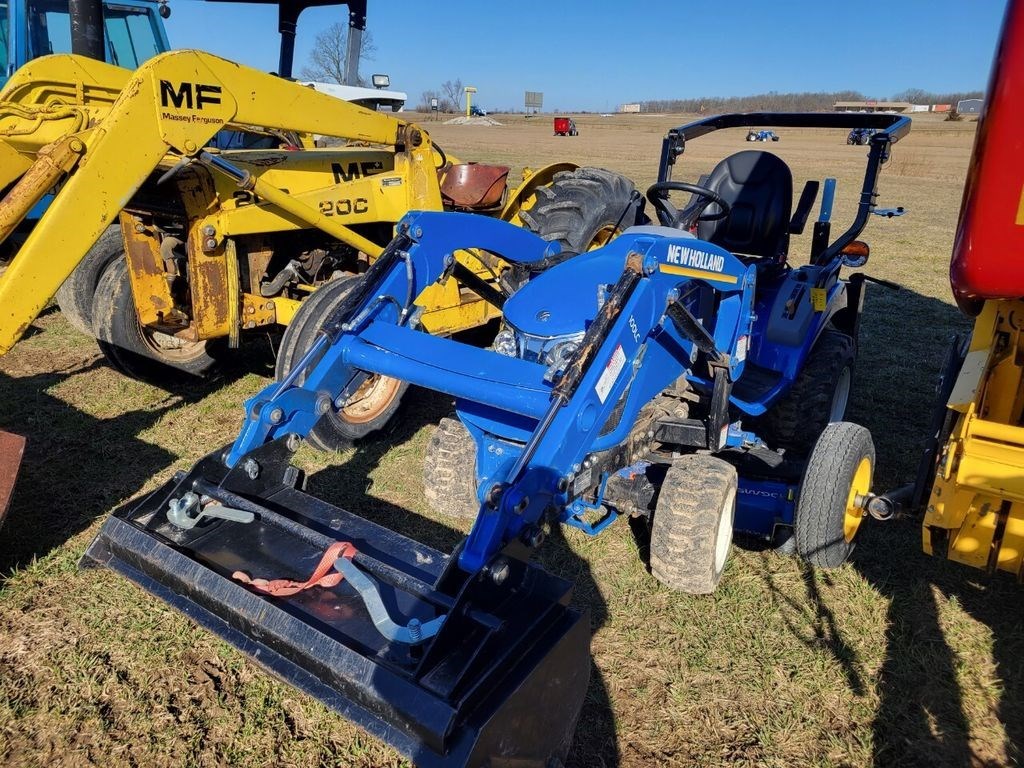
500	684
12	447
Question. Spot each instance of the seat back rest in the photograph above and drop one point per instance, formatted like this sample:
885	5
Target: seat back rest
759	187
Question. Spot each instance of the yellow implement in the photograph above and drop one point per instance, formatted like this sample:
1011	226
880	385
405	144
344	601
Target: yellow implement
975	513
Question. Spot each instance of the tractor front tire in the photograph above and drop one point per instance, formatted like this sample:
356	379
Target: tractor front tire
75	295
827	514
139	352
449	471
370	407
819	396
583	209
692	528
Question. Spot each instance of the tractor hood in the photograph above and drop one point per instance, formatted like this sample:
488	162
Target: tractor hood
561	301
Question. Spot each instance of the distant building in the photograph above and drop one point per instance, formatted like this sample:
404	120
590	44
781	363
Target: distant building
969	106
871	106
941	107
632	108
919	108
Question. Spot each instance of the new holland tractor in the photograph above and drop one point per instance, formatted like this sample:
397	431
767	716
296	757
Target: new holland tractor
684	372
971	482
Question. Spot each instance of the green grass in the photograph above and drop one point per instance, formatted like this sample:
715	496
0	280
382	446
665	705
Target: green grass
893	659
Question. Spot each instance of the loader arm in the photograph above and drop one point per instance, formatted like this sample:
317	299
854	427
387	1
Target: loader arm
174	104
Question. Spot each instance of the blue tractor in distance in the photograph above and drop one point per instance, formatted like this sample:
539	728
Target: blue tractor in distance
685	373
762	135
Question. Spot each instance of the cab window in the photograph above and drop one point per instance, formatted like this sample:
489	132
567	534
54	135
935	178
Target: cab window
130	35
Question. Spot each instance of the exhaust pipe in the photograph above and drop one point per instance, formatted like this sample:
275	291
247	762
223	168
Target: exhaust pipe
87	28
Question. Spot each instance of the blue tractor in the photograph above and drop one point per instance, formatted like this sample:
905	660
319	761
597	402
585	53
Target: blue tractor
685	373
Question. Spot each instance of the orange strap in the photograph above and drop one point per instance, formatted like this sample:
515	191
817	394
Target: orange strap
322	575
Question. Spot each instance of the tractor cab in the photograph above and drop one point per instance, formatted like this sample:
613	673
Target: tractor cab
133	32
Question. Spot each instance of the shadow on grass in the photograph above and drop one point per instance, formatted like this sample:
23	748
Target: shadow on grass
921	718
77	466
349	485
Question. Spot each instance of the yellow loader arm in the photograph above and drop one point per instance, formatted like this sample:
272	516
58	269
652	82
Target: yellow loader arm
174	104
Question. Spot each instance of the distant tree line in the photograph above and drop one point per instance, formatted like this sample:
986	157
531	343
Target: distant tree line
449	97
793	102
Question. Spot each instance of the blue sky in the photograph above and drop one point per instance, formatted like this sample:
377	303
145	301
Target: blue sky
595	55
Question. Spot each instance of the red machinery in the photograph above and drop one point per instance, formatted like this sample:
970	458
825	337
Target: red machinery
565	126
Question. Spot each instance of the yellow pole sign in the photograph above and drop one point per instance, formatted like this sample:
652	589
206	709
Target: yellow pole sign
470	90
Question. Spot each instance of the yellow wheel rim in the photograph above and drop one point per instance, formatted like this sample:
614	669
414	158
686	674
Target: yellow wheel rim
859	487
603	237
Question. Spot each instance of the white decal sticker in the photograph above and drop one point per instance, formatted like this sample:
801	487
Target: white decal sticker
611	373
691	257
742	344
582	481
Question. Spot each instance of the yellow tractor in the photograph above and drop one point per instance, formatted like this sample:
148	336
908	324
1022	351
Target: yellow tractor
215	242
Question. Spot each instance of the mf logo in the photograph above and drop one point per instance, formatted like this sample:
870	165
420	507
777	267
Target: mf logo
187	94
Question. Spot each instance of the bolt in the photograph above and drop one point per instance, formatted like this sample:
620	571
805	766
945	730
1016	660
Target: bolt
576	469
140	227
588	462
419	232
76	145
533	536
494	496
490	448
276	416
500	572
414	630
250	310
323	404
498	451
292	442
190	146
209	231
522	505
563	484
269	306
251	468
210	244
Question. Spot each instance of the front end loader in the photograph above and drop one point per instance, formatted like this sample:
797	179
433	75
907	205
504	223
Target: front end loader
166	248
649	377
971	480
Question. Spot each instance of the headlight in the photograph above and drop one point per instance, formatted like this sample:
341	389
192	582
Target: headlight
505	343
557	355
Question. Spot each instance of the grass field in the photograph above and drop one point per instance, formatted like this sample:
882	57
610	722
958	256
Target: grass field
891	660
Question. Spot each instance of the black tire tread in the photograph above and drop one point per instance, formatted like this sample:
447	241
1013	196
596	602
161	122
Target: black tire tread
330	434
798	418
75	295
686	519
116	327
821	508
578	204
449	471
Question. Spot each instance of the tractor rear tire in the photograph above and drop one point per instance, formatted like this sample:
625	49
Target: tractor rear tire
75	295
827	518
692	528
372	405
139	352
583	209
819	396
449	471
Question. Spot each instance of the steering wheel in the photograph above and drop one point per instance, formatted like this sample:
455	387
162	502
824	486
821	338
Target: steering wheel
670	216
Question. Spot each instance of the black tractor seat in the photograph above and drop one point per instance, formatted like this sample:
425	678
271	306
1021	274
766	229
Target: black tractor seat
759	187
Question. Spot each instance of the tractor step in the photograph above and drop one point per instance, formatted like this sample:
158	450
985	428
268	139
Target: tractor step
494	686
